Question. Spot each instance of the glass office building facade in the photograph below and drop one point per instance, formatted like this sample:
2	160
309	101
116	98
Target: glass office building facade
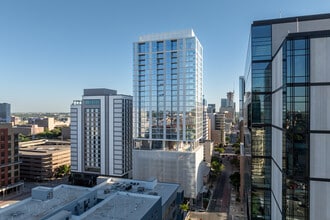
289	79
167	87
261	67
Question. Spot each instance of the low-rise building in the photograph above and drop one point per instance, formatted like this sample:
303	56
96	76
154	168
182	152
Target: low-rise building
9	160
48	123
112	198
28	129
40	159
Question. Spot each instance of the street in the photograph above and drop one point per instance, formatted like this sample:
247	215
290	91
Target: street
221	194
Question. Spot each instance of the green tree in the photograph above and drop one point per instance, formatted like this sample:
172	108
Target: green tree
236	145
235	162
184	207
217	167
22	138
221	150
235	180
62	170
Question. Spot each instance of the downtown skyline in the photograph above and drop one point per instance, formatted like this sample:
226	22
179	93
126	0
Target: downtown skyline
50	51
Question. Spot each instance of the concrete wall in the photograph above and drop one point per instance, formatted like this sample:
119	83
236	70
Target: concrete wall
171	166
277	115
320	125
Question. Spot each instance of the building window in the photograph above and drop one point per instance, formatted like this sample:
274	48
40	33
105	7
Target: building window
142	48
160	46
261	42
174	45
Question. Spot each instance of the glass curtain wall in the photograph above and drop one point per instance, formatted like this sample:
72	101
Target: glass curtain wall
261	113
167	93
296	126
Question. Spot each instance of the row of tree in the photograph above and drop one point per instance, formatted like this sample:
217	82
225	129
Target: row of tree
53	134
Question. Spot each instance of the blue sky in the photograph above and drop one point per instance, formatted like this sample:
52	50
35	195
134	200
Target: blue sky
51	50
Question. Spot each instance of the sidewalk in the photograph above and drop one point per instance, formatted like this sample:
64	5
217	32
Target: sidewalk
236	209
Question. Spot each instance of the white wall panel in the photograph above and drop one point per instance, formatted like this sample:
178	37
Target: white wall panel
319	200
320	60
277	146
276	213
281	30
277	70
277	108
170	166
319	155
276	185
320	107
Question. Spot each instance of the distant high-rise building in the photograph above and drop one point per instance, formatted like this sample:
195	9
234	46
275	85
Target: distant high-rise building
205	121
10	163
223	102
5	116
241	95
211	108
288	77
230	99
101	133
229	108
168	108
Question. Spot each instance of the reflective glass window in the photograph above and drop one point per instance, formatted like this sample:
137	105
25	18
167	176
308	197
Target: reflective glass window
261	42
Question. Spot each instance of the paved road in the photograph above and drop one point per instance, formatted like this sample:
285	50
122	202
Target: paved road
221	195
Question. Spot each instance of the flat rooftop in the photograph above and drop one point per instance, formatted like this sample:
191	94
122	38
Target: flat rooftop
121	205
43	149
167	35
33	209
153	188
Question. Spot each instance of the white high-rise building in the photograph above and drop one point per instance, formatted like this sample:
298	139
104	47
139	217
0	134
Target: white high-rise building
168	108
101	133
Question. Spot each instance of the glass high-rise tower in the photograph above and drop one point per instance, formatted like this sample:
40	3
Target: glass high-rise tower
168	101
168	109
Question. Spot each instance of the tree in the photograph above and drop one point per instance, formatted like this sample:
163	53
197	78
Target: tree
235	162
236	145
235	180
221	150
22	138
184	207
217	167
62	170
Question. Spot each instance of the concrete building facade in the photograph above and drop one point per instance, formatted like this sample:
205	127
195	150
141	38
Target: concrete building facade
41	160
9	160
101	133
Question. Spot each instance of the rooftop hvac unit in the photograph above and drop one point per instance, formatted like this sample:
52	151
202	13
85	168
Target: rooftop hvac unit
153	193
140	189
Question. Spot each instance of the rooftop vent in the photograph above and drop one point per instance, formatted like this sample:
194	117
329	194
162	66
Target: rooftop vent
140	189
153	193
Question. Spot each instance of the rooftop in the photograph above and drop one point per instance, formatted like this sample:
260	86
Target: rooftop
43	149
121	205
113	185
167	35
292	19
37	209
119	199
99	92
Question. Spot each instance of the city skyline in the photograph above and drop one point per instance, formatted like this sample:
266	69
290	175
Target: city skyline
50	51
